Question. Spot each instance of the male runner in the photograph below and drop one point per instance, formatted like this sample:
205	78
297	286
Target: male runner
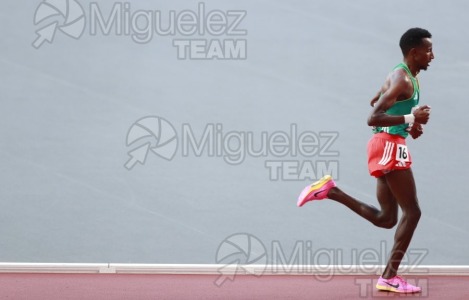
395	114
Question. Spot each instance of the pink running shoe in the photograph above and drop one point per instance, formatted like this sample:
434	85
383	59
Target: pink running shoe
396	284
316	191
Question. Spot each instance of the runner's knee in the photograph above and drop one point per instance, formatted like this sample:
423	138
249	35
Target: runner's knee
387	221
390	223
413	215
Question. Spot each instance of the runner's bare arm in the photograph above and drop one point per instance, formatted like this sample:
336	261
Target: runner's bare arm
375	99
397	86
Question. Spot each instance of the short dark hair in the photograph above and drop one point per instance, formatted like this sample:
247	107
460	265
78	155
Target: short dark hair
413	38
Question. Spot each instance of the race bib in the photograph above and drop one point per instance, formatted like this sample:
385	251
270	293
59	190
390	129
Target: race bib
402	154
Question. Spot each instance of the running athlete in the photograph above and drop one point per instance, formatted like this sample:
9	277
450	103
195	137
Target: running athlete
394	116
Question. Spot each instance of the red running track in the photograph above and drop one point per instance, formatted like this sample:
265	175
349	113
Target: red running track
125	286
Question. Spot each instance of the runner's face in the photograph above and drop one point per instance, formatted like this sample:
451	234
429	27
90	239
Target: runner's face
424	54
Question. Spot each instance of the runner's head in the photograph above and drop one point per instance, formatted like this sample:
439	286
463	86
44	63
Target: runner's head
416	46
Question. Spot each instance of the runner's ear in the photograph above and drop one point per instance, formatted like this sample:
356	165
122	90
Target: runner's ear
412	52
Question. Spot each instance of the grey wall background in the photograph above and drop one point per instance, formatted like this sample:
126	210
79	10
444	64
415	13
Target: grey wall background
66	109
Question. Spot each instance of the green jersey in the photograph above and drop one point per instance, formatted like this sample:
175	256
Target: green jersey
402	107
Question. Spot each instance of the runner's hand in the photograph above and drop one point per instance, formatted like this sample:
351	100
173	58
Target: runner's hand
422	114
416	130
